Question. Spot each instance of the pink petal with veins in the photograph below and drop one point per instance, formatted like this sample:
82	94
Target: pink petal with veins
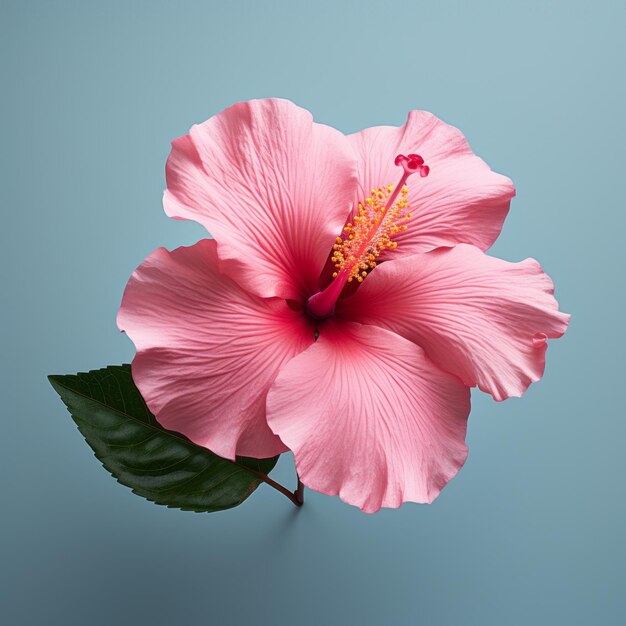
207	351
273	188
457	200
483	319
370	418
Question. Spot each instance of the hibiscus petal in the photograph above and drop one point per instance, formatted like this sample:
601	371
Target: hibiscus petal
207	351
271	186
484	319
461	200
370	418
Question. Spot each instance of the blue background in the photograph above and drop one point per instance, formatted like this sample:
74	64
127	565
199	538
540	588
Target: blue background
532	531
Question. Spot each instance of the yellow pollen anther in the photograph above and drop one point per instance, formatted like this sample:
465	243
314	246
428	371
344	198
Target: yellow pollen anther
370	232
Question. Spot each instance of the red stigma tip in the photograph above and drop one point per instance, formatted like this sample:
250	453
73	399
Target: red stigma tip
417	158
412	163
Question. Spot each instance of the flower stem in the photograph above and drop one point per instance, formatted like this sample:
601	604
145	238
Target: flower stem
297	496
299	492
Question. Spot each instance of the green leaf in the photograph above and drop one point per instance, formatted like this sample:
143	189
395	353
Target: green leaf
160	465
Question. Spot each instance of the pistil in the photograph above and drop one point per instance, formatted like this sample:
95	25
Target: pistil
378	219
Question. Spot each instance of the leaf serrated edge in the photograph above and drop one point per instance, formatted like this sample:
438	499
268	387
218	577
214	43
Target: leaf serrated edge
56	382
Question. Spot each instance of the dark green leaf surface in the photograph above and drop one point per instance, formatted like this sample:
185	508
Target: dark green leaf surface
158	464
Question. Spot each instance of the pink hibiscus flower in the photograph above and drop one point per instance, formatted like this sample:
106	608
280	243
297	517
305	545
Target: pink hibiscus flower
345	305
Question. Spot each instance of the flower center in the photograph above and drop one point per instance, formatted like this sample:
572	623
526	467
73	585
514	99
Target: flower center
368	235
